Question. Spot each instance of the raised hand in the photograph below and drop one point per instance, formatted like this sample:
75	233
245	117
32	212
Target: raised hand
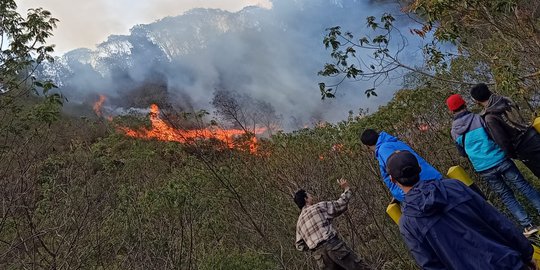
343	183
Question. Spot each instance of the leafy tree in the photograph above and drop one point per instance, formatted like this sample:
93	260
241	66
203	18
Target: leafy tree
25	121
467	42
497	42
23	45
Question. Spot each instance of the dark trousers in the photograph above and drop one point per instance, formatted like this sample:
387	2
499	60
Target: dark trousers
528	151
335	254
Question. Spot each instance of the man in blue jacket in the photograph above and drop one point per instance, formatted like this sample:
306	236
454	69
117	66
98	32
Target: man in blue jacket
490	161
447	225
383	145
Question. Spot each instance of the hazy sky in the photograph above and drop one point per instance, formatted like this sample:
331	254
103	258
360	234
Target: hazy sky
85	23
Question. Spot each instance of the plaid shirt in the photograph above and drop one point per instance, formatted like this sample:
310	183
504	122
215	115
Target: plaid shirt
315	222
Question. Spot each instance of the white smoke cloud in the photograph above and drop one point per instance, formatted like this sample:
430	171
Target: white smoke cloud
275	58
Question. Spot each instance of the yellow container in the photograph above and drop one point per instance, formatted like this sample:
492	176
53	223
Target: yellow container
536	254
394	211
457	172
536	124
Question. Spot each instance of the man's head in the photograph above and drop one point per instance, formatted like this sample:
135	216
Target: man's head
403	168
302	198
369	138
480	92
455	103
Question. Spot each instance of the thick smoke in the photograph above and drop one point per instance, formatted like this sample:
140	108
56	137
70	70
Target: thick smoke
271	55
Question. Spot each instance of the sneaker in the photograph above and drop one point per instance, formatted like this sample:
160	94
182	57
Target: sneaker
530	230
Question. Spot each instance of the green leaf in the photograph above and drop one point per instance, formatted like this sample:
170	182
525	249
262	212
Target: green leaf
370	92
322	87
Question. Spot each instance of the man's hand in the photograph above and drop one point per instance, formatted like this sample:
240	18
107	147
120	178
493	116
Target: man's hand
343	183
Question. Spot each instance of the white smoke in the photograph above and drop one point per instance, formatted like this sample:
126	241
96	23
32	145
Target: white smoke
272	55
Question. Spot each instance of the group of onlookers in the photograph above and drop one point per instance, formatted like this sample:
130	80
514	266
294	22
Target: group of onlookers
445	224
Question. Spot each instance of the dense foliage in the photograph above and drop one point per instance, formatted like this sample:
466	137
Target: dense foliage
76	193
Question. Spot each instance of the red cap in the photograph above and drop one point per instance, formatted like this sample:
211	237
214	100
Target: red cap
454	102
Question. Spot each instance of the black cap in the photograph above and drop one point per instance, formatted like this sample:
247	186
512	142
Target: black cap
402	164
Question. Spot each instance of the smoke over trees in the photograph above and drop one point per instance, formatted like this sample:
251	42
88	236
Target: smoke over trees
268	54
245	112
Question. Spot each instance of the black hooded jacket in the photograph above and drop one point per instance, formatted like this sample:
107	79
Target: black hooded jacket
504	123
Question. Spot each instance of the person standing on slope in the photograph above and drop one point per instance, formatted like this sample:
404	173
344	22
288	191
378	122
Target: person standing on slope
490	161
315	233
506	126
383	145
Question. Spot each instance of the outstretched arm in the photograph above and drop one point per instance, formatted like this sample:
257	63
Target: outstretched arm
395	190
337	207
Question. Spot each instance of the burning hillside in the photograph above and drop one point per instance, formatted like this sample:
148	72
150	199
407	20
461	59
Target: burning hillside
163	131
98	105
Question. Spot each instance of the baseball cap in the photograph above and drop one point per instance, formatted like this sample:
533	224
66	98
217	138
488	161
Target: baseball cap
402	164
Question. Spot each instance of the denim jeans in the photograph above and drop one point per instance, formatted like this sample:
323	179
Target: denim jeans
506	173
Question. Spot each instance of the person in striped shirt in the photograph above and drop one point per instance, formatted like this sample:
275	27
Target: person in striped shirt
315	233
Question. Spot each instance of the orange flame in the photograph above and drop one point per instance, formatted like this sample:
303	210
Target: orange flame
97	106
423	127
164	132
338	147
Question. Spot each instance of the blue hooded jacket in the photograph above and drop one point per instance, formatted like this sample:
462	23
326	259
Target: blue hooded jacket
446	225
385	147
472	140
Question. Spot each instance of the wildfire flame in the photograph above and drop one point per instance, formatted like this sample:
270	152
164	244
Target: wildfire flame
162	131
338	147
97	106
423	127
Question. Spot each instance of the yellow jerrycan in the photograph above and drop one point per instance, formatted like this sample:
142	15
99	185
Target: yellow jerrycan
457	172
394	211
536	256
536	124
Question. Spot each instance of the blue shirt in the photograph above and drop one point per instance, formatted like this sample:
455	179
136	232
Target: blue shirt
385	147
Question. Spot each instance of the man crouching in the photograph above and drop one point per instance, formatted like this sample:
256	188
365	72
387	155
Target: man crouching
314	231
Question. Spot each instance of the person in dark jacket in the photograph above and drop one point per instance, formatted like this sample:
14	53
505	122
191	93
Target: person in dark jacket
446	225
488	159
383	145
506	126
